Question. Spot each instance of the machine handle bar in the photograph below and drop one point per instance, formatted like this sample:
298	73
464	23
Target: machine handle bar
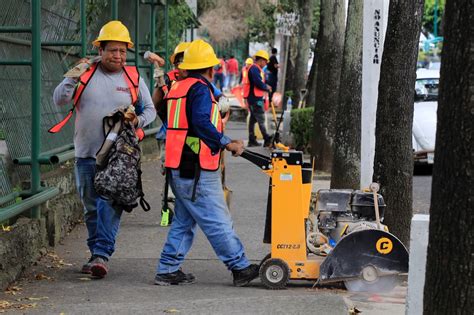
262	161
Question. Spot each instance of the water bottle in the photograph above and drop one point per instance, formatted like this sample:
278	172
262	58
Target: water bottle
289	104
286	139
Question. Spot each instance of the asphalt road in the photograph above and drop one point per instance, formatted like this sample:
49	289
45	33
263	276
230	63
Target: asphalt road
55	286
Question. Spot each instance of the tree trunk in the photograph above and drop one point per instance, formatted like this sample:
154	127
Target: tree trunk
393	163
305	11
449	285
329	50
346	165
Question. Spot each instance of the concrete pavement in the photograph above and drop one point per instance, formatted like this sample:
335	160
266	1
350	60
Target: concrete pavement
56	286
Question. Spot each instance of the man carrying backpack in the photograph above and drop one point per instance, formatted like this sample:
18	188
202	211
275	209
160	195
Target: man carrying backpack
194	140
106	86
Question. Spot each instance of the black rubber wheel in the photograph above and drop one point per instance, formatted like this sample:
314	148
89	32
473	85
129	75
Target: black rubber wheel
268	256
274	273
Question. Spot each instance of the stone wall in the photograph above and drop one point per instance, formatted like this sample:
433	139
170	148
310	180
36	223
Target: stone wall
29	239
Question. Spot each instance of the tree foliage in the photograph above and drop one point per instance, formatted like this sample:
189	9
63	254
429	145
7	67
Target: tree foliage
428	15
180	17
229	20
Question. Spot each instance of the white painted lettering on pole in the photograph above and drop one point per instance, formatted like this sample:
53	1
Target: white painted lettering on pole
375	24
287	24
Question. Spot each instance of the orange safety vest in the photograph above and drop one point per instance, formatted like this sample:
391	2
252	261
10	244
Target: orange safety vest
246	84
177	132
132	77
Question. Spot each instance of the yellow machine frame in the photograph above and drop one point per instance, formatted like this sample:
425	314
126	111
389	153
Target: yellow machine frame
290	209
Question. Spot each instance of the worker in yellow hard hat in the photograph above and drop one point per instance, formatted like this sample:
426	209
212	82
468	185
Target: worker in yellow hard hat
193	143
254	92
105	87
245	70
163	83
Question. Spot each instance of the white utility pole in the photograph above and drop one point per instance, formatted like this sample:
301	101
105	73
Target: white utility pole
375	25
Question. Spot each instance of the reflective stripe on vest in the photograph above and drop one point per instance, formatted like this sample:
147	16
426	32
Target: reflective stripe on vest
131	76
177	132
256	91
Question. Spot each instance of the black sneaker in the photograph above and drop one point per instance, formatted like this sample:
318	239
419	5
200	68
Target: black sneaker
99	267
244	276
253	143
86	268
175	278
268	143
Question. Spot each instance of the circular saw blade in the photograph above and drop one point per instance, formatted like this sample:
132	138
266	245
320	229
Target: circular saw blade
382	284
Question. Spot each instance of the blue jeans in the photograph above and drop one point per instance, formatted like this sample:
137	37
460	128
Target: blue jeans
219	78
102	220
210	212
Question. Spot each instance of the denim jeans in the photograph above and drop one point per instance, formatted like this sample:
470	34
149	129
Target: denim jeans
102	220
209	211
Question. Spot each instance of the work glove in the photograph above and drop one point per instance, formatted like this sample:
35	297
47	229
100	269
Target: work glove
81	66
159	76
224	105
130	116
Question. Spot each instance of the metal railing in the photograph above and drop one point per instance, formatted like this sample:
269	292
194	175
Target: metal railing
36	195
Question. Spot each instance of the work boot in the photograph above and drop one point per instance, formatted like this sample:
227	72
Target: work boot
86	268
99	267
268	143
244	276
253	143
175	278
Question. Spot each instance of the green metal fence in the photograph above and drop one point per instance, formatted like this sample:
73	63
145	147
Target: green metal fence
39	40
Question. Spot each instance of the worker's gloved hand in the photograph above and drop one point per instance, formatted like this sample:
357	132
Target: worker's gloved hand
130	116
79	68
269	88
236	147
224	105
154	58
159	76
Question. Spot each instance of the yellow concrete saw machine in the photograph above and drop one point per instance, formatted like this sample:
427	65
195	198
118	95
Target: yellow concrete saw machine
336	236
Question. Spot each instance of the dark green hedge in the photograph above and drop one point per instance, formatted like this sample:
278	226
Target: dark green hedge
302	128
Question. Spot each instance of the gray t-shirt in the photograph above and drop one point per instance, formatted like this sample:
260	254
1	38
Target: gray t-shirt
104	93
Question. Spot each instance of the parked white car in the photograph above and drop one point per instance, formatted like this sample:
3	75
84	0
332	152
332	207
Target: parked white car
424	115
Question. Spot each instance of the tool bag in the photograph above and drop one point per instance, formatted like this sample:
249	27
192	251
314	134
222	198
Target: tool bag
118	173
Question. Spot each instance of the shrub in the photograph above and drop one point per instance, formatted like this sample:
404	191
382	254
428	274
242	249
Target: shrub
302	127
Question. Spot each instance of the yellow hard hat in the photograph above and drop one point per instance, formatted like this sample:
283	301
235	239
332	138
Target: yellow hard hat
179	49
199	55
262	54
249	61
114	31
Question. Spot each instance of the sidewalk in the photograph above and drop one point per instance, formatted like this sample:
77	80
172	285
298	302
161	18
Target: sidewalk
55	286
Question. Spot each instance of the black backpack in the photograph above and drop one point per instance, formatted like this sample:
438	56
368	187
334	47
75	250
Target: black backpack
118	173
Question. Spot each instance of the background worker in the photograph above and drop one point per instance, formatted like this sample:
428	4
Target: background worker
219	74
163	83
254	92
194	142
232	67
107	89
272	69
245	71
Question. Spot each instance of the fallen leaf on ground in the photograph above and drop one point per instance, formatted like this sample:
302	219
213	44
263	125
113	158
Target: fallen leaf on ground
13	290
42	276
85	279
171	310
5	305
